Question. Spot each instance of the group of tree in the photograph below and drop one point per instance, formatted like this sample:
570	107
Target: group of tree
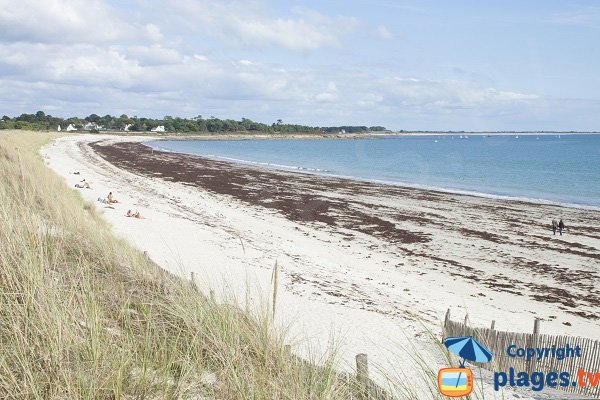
43	121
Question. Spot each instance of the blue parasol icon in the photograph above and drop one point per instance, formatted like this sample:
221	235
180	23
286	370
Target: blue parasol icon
469	349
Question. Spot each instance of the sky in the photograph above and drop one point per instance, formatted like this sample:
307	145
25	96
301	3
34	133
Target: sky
412	65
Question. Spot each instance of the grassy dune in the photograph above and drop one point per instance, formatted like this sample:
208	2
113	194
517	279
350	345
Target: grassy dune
84	315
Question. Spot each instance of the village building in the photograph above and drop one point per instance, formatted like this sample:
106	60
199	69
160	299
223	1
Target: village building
92	126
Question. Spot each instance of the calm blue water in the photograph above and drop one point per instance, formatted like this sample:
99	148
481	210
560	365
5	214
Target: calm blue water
563	169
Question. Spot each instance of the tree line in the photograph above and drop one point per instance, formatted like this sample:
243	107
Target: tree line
43	121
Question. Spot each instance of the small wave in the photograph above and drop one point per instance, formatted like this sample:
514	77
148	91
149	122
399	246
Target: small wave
266	164
242	161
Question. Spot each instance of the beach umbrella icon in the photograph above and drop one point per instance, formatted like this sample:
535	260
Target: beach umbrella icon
468	348
457	382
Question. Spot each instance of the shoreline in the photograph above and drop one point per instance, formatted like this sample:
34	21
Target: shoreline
309	135
372	264
276	191
462	192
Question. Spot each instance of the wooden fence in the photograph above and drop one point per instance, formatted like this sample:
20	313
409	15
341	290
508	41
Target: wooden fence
499	341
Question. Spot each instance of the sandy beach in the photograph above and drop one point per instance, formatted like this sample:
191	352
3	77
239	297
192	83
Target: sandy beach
367	263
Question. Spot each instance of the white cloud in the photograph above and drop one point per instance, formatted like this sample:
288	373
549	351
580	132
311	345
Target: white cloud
152	55
384	33
369	100
508	96
251	24
153	32
163	80
446	93
328	95
152	69
69	21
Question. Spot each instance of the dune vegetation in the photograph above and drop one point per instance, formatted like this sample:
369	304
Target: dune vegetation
85	315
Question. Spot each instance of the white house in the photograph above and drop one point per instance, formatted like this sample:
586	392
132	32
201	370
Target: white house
160	128
71	128
90	126
127	126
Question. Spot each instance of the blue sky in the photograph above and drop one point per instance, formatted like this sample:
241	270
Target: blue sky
440	65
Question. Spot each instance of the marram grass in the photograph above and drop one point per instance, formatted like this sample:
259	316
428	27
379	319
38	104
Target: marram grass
84	315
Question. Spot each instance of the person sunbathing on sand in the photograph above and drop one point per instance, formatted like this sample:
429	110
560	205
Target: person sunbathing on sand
83	184
134	215
110	199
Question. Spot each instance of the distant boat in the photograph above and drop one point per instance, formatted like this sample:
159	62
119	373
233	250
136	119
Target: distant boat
516	137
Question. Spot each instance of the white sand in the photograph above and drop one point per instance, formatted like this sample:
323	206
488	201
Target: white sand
326	287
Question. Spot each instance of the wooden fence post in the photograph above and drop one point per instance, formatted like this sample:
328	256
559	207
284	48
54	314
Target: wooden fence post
446	322
212	295
533	343
493	324
536	326
287	353
362	373
193	280
466	318
362	367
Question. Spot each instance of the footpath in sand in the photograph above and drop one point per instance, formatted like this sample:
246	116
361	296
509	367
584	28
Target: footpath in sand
371	264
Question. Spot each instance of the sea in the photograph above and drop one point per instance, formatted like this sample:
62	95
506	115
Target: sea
562	169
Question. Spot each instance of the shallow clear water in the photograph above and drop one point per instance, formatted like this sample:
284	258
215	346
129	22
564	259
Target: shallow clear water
563	169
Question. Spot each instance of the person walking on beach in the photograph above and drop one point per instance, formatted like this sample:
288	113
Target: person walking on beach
554	226
561	226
